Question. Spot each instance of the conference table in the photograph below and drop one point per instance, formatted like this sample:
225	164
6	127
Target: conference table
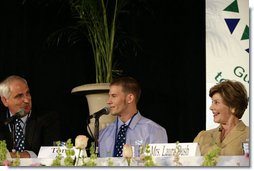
189	161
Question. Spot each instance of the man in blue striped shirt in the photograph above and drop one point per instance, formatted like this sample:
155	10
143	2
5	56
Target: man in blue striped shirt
124	95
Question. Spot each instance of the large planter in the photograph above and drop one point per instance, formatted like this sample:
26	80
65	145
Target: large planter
97	96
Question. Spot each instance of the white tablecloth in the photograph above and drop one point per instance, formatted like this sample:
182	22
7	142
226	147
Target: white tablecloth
160	161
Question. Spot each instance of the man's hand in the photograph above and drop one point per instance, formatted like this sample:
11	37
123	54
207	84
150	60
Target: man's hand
23	154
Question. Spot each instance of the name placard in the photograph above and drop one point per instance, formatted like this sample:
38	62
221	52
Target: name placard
168	149
52	151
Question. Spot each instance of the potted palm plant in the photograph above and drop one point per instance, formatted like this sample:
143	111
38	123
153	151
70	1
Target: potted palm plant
98	22
92	18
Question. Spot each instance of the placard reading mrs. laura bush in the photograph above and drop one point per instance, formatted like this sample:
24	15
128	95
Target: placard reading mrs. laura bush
168	149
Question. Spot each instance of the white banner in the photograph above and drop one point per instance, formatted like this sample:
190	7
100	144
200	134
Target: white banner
227	47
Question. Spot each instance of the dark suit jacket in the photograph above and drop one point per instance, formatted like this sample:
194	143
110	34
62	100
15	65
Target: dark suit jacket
41	130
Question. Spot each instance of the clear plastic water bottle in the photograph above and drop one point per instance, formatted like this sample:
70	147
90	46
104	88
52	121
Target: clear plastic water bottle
246	149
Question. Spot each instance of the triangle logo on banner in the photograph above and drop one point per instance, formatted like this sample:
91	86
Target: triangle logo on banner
245	33
232	23
233	7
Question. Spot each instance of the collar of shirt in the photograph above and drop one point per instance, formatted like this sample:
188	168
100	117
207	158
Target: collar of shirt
120	123
24	118
133	123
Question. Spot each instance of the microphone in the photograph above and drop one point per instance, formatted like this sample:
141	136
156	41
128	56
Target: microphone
103	111
17	115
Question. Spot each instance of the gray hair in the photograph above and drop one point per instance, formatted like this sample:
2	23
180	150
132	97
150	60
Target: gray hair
5	85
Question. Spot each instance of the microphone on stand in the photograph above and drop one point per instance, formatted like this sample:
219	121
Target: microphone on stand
103	111
17	115
97	115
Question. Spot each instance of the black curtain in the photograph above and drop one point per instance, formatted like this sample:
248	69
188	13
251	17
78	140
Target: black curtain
169	62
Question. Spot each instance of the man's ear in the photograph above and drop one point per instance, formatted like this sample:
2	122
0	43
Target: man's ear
4	101
130	98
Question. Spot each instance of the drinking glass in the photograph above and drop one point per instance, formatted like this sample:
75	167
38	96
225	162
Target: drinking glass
137	146
245	145
59	143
